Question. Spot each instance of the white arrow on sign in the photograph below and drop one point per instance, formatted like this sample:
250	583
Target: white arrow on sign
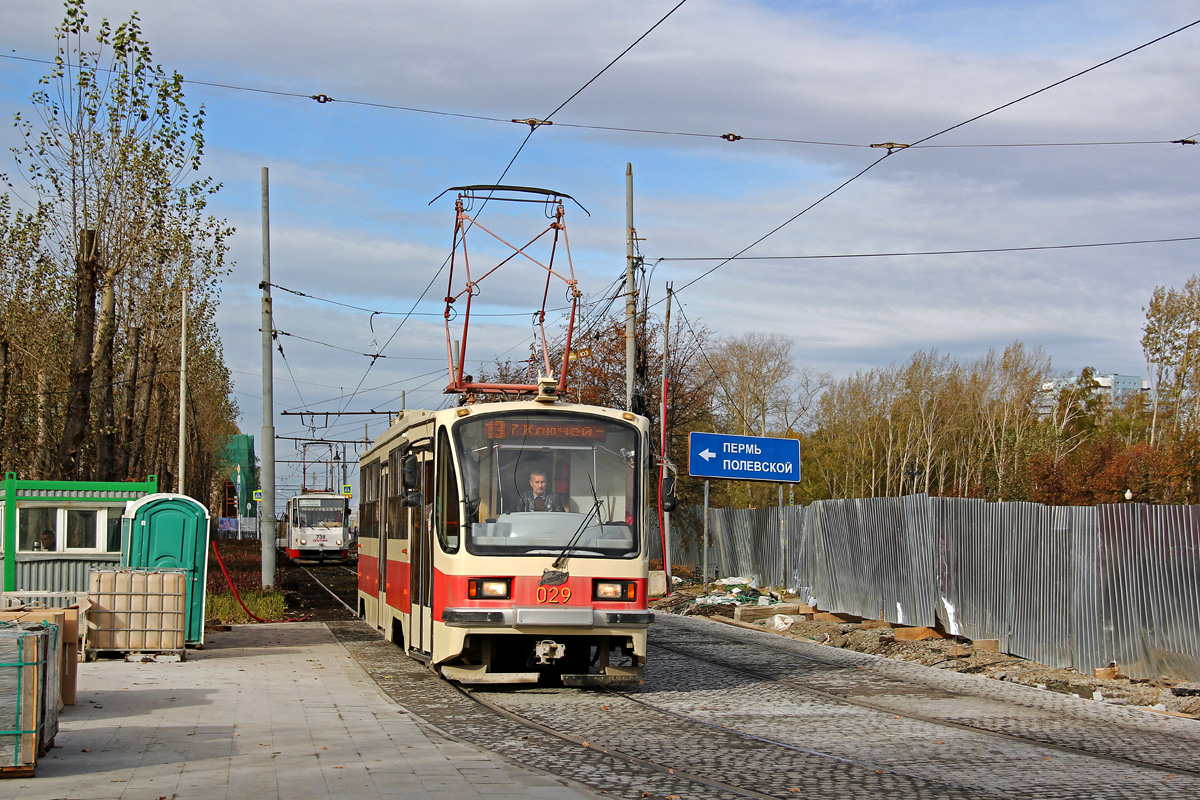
707	455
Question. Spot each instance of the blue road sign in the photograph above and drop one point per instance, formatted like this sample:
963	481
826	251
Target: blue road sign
743	458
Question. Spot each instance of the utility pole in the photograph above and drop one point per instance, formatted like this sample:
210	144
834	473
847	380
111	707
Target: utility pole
630	291
662	424
179	484
268	421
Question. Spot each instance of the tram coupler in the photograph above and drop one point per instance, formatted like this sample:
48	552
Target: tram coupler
548	651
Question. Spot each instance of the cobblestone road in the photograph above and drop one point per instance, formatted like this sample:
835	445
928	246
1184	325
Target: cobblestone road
740	714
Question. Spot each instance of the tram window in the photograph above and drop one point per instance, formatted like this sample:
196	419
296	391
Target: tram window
325	512
591	471
396	516
445	498
368	525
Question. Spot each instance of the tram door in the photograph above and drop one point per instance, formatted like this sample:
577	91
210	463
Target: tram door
369	528
382	506
421	556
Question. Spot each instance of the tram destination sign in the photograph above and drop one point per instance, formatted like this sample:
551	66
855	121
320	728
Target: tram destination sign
743	458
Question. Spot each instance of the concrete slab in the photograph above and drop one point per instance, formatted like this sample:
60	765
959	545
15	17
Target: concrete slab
264	711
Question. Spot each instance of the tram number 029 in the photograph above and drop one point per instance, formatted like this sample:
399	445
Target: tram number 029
553	594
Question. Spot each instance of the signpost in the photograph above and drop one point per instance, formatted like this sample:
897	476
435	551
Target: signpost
744	458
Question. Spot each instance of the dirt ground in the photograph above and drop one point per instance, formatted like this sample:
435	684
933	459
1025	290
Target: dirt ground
304	598
1160	695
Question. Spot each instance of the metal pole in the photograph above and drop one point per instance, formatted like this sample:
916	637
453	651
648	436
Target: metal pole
704	546
630	291
666	531
782	541
268	420
180	485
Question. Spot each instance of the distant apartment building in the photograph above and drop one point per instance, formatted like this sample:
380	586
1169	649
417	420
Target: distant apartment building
1115	389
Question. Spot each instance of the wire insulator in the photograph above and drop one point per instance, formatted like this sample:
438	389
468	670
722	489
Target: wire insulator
730	137
533	123
322	98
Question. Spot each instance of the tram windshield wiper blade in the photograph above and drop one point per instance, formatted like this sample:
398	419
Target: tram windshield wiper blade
556	574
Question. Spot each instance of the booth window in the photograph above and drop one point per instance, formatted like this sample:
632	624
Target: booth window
32	522
114	532
69	529
81	529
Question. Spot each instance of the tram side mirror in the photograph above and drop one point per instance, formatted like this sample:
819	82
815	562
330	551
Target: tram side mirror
408	472
668	493
411	499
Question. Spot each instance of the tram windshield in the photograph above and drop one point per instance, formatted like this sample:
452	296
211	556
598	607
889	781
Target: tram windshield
533	480
320	512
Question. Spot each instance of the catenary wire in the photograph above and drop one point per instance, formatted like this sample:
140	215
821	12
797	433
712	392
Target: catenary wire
500	180
936	252
892	151
729	137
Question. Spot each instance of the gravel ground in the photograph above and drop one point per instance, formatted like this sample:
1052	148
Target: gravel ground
1161	695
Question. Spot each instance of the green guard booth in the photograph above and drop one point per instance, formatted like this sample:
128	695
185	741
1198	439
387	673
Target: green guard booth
170	531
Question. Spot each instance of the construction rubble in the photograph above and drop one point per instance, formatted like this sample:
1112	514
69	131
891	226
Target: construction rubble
740	601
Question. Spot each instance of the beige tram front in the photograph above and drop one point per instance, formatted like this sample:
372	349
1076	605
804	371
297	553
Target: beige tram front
506	542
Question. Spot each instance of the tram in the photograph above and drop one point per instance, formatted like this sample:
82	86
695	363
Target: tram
457	567
505	542
316	527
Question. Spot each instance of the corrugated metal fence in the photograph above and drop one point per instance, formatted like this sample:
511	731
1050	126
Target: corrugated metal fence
1068	587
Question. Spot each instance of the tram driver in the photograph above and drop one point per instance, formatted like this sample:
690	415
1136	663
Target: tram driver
537	498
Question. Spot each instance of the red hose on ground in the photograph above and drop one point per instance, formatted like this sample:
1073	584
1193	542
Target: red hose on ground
238	597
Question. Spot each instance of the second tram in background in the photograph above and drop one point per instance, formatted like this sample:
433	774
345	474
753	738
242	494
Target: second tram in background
317	527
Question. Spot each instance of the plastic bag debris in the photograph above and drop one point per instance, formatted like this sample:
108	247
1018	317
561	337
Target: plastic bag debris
781	622
717	599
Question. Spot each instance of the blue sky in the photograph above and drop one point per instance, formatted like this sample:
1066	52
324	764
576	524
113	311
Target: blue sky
350	184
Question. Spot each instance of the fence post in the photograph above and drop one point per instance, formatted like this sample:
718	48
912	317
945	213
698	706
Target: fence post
782	542
704	541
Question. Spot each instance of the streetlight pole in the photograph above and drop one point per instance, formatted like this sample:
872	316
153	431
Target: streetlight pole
268	420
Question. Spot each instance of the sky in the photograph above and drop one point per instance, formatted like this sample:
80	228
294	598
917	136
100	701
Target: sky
422	94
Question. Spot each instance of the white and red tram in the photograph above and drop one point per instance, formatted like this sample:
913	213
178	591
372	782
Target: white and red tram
316	527
454	568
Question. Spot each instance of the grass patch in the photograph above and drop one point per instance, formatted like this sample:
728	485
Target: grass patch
268	605
243	562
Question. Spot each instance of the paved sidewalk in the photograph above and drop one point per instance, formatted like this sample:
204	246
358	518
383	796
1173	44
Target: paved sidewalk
263	711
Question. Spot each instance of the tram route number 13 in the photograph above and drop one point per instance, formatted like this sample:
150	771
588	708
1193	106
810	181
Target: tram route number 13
553	594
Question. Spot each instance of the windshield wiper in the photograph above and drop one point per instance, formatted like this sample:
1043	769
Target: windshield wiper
556	574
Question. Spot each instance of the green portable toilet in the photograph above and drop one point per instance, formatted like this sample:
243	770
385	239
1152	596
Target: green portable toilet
170	531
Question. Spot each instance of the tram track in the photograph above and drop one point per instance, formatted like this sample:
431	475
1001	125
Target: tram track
733	715
766	732
495	708
1170	755
753	739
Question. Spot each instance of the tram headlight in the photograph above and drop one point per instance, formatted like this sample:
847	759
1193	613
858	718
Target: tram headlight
338	542
625	591
304	541
489	588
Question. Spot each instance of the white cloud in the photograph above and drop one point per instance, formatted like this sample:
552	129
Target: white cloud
351	184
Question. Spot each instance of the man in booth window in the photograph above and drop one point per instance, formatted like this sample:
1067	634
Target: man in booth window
537	498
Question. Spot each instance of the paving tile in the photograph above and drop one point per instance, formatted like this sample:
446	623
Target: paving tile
268	711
